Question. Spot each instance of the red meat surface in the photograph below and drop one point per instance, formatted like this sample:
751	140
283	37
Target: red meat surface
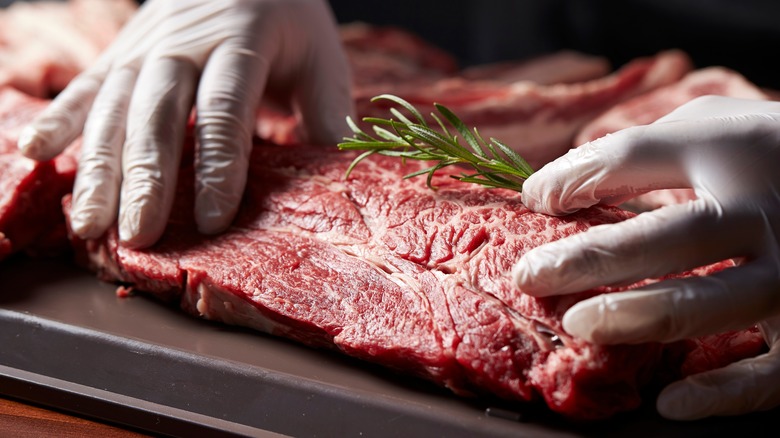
538	121
43	45
388	271
30	192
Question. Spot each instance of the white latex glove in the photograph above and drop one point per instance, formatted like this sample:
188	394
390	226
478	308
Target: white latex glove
133	106
728	150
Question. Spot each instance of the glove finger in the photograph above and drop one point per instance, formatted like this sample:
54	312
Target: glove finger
650	245
62	121
157	120
677	309
323	94
228	93
636	160
96	190
746	386
618	166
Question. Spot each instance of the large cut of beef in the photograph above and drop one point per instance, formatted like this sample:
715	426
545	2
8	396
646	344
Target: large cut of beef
538	121
386	270
30	218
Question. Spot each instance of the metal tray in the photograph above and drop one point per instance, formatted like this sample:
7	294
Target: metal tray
68	342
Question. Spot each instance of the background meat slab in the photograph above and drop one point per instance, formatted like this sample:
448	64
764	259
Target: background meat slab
43	45
538	121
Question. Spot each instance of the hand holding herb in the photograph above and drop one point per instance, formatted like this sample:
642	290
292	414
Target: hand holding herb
494	163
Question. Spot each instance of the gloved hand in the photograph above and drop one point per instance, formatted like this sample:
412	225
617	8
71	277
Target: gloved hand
133	106
728	150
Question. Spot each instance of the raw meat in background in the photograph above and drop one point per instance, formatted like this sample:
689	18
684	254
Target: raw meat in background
386	270
384	54
390	60
30	191
391	56
538	121
377	55
649	107
43	45
562	67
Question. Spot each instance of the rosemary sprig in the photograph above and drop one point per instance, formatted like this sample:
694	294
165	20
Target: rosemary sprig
494	163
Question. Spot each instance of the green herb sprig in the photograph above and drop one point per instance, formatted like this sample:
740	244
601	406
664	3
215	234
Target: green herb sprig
494	163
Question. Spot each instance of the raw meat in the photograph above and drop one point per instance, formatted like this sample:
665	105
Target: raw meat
564	67
538	121
647	108
43	45
30	192
388	271
377	55
389	55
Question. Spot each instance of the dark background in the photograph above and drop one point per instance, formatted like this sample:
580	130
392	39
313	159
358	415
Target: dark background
743	35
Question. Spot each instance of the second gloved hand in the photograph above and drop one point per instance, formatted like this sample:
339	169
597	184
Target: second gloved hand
133	106
728	150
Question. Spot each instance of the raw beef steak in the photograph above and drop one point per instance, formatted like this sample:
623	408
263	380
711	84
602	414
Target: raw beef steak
30	192
388	271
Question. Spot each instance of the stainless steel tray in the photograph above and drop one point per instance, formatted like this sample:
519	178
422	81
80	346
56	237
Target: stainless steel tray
68	342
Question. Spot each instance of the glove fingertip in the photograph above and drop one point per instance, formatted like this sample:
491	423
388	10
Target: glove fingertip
581	320
137	230
680	402
86	226
33	145
328	127
538	272
213	216
526	278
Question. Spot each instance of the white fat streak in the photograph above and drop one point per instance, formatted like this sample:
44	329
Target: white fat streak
215	303
101	258
558	362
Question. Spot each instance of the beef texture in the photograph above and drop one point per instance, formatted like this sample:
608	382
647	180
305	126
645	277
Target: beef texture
536	118
43	45
563	67
30	216
502	97
538	121
386	270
